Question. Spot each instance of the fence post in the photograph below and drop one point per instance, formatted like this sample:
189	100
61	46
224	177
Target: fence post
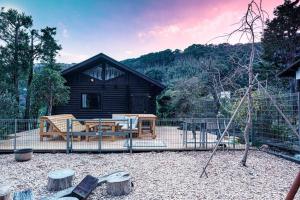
130	136
68	136
234	129
15	137
185	133
99	136
205	134
298	102
194	133
71	135
202	133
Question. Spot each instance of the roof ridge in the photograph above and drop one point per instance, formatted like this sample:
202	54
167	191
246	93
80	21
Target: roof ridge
123	66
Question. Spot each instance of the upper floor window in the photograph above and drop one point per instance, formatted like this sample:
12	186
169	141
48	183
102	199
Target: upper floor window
111	72
104	72
95	72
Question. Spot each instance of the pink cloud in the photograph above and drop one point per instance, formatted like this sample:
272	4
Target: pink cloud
199	24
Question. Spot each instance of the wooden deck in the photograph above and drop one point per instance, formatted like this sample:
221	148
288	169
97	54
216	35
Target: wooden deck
168	137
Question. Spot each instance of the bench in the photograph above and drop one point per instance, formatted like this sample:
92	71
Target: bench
56	125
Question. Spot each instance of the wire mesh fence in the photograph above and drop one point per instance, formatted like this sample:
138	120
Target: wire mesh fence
270	127
101	135
69	134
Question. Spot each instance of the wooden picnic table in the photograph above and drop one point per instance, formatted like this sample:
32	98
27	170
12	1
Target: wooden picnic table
105	125
150	118
113	125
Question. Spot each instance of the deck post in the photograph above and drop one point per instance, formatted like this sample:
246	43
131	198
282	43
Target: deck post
130	135
15	136
68	136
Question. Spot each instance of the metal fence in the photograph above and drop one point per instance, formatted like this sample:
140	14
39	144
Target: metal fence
269	127
171	134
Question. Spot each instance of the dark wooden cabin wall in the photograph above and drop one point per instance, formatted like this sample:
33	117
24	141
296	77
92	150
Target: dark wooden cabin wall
116	95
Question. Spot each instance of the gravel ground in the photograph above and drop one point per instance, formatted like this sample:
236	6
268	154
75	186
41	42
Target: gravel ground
167	175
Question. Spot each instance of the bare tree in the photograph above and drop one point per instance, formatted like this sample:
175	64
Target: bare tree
251	28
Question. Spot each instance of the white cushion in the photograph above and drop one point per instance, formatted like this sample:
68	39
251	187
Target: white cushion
134	121
125	127
121	119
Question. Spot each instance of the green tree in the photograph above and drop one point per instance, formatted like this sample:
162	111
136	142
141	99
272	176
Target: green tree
49	46
14	29
44	47
156	74
32	55
48	90
281	38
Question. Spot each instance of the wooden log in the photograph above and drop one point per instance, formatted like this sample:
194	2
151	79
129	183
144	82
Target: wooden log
4	192
119	185
60	179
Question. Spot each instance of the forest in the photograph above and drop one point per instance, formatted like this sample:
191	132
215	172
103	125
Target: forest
31	84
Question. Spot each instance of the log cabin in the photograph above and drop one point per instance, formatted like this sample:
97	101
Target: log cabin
101	86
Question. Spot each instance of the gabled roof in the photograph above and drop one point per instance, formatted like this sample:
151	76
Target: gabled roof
102	56
291	70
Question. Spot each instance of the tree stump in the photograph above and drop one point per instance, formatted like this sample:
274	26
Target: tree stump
4	192
60	179
119	185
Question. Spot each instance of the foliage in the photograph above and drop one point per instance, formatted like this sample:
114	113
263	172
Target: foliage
165	109
8	106
259	106
197	72
49	89
49	46
281	131
20	47
281	39
14	28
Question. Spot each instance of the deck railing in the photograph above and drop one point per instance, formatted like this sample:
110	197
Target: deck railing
171	134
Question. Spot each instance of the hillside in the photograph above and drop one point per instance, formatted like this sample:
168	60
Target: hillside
172	66
201	71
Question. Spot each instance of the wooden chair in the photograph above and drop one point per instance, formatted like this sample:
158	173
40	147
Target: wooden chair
58	126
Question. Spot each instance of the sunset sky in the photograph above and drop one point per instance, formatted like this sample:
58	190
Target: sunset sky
129	28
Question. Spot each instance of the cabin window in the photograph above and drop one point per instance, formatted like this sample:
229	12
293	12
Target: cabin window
111	72
91	101
95	72
105	72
